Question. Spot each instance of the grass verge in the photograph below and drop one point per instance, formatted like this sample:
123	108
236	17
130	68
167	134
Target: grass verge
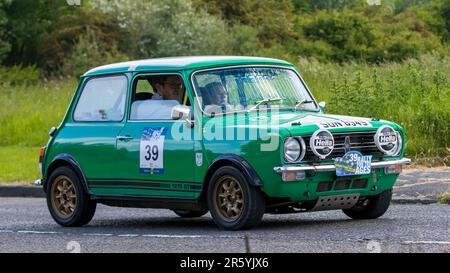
18	164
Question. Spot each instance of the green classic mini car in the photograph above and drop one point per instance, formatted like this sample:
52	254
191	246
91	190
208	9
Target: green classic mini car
234	136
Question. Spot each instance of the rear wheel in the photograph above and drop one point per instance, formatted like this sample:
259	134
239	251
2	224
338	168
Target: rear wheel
371	208
190	213
68	203
233	203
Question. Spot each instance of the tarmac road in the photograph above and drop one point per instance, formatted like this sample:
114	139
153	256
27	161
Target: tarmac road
26	226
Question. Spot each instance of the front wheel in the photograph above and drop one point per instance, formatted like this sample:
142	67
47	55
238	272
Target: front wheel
233	203
371	208
68	203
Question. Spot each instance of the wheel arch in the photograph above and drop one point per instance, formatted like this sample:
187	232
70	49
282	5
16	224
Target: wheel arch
230	160
65	160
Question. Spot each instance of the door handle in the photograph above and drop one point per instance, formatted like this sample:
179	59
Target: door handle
124	138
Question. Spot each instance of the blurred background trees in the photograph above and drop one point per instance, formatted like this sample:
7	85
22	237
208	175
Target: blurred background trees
63	39
389	61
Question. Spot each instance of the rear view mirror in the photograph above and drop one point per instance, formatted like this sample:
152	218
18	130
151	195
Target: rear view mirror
322	105
181	112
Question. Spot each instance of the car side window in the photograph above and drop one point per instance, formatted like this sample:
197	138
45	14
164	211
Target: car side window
102	99
154	96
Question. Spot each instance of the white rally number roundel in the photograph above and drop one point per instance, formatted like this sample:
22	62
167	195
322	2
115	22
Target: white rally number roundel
151	151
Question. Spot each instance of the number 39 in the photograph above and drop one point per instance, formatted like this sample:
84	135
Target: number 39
152	152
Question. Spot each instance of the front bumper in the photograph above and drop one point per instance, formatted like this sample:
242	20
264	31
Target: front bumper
332	167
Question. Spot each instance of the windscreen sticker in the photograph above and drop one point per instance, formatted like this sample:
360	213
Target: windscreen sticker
151	151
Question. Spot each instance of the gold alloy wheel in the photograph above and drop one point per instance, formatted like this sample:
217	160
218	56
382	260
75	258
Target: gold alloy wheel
229	198
64	197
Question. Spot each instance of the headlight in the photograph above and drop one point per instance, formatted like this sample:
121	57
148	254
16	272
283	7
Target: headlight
294	149
322	143
388	140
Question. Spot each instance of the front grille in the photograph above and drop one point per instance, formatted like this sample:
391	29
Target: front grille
362	142
342	184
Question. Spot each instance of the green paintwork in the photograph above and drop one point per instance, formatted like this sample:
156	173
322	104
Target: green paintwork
105	160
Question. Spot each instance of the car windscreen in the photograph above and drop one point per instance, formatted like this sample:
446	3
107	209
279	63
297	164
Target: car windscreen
247	88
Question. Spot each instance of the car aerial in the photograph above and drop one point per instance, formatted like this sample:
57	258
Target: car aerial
234	136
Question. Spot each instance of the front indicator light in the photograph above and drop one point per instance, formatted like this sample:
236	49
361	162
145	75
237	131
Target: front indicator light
293	176
393	169
41	156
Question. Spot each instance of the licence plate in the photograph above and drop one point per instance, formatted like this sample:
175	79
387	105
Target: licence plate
353	163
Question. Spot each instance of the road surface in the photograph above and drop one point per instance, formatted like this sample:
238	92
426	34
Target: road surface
26	226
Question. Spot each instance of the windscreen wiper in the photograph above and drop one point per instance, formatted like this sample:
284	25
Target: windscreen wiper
301	102
263	101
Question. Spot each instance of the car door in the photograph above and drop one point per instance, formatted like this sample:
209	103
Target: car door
156	157
90	134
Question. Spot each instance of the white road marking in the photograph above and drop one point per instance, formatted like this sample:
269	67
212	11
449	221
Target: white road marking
126	235
189	236
173	236
427	242
6	231
38	232
98	234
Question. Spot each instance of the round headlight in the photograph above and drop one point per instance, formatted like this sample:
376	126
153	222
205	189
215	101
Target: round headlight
294	149
387	140
322	143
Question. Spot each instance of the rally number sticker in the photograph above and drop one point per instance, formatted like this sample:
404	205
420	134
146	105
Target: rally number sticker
151	151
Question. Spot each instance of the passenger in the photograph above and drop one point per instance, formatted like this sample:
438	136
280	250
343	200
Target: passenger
169	93
168	88
216	94
215	98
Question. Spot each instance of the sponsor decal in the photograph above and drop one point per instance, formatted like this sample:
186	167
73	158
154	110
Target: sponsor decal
151	151
353	163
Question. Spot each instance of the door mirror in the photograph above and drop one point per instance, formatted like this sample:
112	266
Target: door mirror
322	105
182	112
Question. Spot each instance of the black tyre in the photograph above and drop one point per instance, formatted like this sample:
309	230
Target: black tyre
233	203
190	213
68	203
373	207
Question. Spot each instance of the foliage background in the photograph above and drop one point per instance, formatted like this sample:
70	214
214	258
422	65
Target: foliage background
389	61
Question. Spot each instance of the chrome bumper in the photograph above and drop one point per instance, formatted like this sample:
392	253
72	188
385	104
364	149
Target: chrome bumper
332	167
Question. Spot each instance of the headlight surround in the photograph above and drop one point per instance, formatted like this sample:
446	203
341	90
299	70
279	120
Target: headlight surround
388	140
322	143
294	149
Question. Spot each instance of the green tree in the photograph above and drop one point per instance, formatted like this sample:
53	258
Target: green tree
28	21
59	43
340	36
272	18
167	28
89	52
5	46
